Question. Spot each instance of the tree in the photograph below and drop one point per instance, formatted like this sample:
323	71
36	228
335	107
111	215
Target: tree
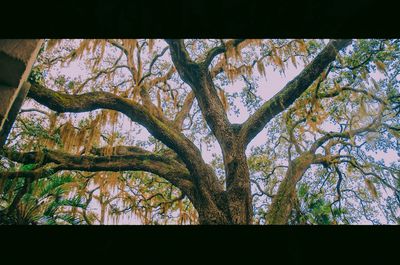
177	91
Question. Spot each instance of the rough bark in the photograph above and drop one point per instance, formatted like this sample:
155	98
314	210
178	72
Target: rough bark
238	185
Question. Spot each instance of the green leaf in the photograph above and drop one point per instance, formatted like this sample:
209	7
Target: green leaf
28	167
303	189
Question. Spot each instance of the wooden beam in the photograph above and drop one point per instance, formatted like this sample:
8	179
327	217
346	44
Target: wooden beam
16	60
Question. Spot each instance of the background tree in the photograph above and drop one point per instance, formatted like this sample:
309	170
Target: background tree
317	164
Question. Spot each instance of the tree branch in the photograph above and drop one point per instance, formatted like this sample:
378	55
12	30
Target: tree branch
218	50
152	63
347	134
54	161
160	129
291	91
181	115
198	77
336	92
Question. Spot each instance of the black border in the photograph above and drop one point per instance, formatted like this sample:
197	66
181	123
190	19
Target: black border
203	244
199	19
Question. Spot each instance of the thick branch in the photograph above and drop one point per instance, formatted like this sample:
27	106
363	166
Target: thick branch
161	165
284	200
198	77
291	91
161	130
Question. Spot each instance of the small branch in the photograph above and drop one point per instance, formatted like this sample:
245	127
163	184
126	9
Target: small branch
35	110
218	50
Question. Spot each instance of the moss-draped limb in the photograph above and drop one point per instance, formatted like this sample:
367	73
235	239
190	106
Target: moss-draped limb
198	77
52	161
160	129
282	100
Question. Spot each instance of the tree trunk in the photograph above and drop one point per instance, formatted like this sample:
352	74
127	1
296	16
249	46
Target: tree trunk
238	186
233	206
284	200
